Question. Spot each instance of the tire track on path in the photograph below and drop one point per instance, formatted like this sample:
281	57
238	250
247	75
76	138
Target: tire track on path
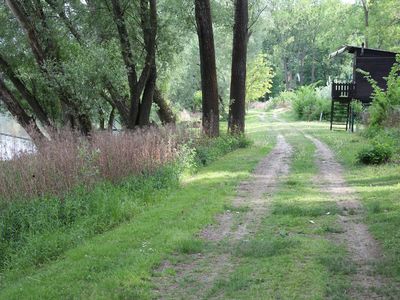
195	278
363	249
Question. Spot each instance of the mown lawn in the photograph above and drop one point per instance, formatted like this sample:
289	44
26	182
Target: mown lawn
118	263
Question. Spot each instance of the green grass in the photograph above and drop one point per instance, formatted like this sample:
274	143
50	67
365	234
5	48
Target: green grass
291	257
119	263
378	188
190	246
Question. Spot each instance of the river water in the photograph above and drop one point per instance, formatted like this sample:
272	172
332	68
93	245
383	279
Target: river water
13	138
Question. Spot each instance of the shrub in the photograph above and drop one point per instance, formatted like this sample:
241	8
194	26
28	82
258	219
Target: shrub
308	104
385	108
377	153
284	99
207	150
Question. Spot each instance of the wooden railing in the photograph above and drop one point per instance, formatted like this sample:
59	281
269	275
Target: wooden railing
343	91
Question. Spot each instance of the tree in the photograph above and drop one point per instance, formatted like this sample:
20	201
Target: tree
236	121
47	54
138	83
209	85
260	77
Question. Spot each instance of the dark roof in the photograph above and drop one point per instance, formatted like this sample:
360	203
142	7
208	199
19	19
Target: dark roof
352	49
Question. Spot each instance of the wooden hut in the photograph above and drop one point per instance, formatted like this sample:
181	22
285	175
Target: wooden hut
377	63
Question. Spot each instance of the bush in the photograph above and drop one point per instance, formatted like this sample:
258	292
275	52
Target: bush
385	108
308	104
284	99
208	150
377	153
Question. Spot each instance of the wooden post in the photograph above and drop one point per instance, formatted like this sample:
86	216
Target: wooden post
332	108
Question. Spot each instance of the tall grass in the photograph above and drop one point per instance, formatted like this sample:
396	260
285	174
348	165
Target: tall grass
69	160
73	188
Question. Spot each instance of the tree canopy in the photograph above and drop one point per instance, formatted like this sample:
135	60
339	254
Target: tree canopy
81	63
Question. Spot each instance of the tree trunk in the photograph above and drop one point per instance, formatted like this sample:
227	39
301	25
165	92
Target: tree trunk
18	112
164	112
23	90
127	56
288	76
237	107
147	99
102	121
32	34
149	26
209	84
366	20
48	52
111	119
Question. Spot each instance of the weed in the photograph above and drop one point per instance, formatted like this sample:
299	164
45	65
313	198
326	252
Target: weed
190	246
375	207
336	263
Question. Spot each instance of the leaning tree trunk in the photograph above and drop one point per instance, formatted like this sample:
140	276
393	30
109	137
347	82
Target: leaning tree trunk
164	112
136	83
33	102
147	99
45	49
18	112
237	105
209	85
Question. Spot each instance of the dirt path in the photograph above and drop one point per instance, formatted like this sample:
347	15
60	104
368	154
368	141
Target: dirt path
195	277
363	249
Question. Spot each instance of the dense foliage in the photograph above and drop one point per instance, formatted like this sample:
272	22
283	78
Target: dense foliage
88	66
307	103
383	121
385	108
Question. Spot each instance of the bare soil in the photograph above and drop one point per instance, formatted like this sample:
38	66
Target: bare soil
195	277
363	249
